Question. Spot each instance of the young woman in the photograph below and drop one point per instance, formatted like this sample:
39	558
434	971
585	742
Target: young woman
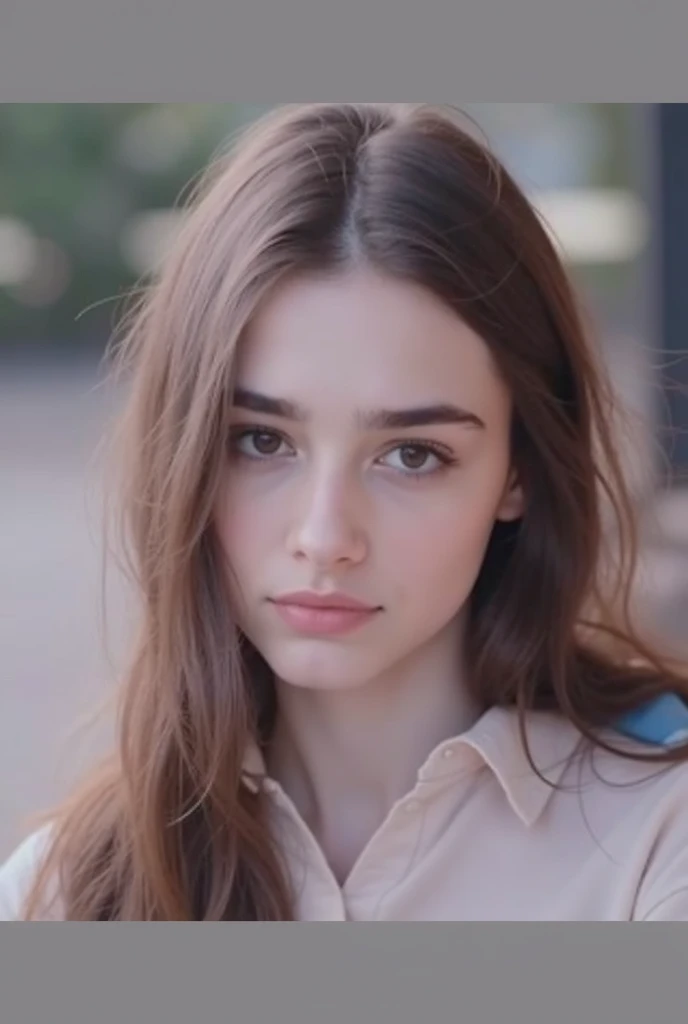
385	669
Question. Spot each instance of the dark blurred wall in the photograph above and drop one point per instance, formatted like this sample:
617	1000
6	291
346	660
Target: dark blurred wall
671	279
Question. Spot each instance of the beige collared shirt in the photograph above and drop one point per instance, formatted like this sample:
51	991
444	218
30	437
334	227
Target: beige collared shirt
481	837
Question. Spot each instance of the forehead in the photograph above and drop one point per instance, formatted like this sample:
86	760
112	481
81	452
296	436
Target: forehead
364	339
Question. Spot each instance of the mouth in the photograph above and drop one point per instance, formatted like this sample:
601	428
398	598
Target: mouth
323	614
335	600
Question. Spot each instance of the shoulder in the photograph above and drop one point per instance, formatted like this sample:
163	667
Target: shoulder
634	810
18	872
639	813
663	892
662	831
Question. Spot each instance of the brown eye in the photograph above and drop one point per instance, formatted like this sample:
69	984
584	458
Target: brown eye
413	456
266	443
418	460
257	444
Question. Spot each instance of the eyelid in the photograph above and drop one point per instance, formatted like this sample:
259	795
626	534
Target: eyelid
420	442
239	429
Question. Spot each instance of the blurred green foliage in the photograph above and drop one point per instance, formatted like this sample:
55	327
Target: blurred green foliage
65	173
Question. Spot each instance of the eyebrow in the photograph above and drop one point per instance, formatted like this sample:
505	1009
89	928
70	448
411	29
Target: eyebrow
374	419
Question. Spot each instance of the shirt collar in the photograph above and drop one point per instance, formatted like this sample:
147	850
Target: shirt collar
552	741
493	742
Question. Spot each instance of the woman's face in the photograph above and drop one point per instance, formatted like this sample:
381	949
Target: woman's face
369	455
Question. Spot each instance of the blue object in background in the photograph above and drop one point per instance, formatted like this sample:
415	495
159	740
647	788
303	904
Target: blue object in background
664	721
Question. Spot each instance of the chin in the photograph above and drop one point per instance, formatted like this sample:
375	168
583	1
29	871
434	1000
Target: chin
320	670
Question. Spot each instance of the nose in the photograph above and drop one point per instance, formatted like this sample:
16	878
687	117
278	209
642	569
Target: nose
327	529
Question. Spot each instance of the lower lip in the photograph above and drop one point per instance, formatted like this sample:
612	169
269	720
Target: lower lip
323	621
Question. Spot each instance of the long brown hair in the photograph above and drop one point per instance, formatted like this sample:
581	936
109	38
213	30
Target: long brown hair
167	830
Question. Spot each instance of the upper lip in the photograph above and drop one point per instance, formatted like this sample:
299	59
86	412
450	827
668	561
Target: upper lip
311	599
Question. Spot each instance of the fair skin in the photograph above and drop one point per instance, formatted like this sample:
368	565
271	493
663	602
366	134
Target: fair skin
322	498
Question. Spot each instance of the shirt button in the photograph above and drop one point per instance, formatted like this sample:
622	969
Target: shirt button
449	752
411	806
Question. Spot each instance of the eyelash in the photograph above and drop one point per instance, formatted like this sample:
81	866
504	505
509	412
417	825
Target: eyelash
445	458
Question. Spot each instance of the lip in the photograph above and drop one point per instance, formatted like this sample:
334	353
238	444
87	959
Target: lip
332	614
334	600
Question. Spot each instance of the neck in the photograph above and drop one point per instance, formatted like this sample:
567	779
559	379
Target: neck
351	754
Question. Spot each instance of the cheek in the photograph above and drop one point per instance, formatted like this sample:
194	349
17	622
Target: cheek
442	551
446	559
246	528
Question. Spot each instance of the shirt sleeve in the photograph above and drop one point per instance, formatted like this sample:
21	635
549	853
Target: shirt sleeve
18	873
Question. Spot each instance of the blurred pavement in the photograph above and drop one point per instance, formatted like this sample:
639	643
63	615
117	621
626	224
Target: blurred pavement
54	667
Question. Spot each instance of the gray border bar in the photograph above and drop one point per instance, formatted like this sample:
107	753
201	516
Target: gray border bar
168	50
553	974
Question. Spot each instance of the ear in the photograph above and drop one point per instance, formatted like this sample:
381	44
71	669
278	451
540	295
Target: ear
512	505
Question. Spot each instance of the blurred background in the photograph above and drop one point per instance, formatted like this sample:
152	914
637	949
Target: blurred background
89	199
